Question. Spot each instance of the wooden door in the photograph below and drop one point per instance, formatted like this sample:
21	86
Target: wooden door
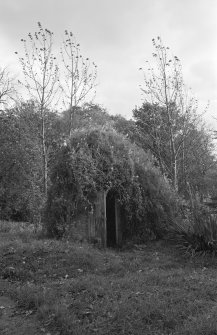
97	220
118	222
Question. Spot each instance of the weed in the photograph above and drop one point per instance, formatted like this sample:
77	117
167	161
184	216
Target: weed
31	296
77	289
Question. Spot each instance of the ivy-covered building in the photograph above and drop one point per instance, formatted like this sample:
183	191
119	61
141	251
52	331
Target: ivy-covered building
106	189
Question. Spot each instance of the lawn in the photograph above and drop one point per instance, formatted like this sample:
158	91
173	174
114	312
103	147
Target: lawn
78	289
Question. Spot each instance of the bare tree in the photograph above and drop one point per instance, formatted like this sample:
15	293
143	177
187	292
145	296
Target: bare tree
79	80
41	80
165	89
7	88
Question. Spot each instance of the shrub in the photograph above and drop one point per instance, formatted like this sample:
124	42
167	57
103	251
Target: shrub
100	159
196	233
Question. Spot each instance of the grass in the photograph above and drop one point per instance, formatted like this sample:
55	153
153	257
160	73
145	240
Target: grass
77	289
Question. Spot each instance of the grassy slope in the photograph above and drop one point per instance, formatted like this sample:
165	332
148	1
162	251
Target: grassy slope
76	289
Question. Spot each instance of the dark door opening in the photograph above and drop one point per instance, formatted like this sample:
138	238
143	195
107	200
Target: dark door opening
110	220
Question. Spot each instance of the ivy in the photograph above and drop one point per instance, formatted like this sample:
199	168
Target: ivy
101	159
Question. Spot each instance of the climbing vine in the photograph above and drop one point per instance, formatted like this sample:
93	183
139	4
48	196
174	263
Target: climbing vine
101	159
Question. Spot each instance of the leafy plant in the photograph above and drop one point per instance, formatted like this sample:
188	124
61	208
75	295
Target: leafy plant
101	159
196	234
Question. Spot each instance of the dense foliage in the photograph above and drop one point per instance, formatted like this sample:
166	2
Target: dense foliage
194	156
195	232
101	159
20	187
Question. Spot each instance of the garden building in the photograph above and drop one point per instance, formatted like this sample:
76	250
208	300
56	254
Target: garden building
105	189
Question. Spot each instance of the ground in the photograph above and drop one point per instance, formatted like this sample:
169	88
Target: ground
13	321
61	288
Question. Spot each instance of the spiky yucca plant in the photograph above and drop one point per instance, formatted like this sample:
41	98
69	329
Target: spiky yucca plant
197	233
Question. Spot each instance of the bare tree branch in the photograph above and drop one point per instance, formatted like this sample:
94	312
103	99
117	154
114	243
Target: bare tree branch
79	76
7	89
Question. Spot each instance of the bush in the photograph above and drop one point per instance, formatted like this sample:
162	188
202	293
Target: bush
196	232
101	159
21	194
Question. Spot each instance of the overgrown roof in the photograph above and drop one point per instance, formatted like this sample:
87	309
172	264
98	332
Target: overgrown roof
100	159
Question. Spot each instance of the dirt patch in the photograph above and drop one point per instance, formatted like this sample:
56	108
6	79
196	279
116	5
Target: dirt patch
13	321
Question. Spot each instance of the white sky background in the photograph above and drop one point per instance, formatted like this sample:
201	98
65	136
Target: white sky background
116	35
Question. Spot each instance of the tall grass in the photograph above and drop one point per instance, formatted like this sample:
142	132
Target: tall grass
196	232
21	230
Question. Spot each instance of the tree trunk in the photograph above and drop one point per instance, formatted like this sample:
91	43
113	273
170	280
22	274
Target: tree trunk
173	162
44	156
174	171
175	175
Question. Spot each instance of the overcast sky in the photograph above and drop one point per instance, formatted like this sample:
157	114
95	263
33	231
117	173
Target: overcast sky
117	34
